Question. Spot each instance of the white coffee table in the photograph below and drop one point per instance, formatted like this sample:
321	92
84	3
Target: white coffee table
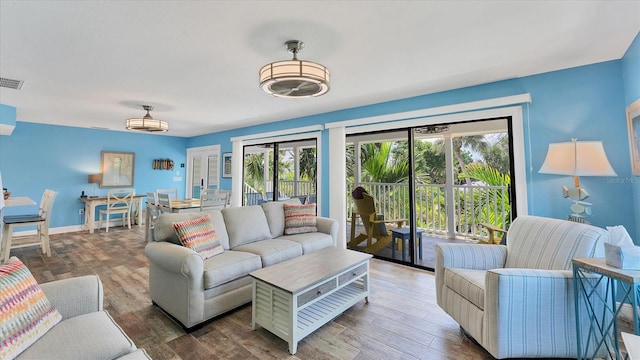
294	298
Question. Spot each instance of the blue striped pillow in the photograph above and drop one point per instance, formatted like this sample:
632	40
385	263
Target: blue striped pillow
199	235
299	219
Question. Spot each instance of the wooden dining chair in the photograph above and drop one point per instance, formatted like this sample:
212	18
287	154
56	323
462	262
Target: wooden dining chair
213	199
151	215
118	203
164	203
40	220
173	192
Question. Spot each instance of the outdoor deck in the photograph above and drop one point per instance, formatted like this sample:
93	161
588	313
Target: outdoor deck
428	243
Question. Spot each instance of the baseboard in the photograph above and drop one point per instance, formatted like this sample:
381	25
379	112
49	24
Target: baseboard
65	229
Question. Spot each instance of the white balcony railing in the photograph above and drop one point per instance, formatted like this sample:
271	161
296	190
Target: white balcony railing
473	204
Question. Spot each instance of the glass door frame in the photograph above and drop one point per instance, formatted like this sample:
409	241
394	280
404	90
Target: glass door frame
312	132
515	128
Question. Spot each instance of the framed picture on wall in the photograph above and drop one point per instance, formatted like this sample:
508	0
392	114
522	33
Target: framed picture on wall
633	123
117	169
226	165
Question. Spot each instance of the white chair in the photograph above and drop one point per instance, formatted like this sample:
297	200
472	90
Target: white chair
213	199
151	215
173	192
164	203
40	220
118	203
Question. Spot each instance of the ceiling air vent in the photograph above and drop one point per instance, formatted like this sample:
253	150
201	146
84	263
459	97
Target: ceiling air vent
11	83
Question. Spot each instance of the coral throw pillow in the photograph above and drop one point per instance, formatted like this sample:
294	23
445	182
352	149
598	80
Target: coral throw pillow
25	312
299	219
199	236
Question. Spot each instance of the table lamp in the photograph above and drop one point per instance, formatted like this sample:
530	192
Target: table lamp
577	158
94	179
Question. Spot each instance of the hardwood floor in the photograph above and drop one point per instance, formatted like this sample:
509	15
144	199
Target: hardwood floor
401	321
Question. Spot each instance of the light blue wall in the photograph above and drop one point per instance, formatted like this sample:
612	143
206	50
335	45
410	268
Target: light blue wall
631	80
7	115
587	103
36	157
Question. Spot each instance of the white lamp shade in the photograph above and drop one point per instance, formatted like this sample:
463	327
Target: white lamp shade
577	158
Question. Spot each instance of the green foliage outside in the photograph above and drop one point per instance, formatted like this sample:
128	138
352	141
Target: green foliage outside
386	163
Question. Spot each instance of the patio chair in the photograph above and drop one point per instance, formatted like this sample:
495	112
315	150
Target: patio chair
375	226
495	234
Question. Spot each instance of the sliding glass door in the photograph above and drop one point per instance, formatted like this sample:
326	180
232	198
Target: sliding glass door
270	177
430	184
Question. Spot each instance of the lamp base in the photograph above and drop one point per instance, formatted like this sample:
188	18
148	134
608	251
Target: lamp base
575	194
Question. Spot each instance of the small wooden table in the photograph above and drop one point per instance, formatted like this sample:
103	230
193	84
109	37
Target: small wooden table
296	297
403	234
90	204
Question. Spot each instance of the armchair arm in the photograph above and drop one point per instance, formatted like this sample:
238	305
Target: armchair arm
466	256
75	296
175	258
470	256
328	226
529	310
373	220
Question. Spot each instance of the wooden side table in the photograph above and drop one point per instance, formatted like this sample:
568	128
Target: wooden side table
600	290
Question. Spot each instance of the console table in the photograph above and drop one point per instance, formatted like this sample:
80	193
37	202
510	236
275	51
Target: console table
90	204
294	298
600	290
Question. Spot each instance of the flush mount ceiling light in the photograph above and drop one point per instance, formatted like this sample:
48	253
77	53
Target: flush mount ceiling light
147	123
294	78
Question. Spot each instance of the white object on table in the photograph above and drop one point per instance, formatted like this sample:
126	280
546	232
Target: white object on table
632	344
19	201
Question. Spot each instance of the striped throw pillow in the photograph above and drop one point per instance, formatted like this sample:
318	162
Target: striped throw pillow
25	312
299	219
199	235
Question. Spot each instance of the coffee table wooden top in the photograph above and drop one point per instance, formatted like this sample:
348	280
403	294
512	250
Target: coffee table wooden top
299	273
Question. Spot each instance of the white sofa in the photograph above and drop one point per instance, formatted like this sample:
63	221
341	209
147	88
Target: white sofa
193	290
518	300
86	331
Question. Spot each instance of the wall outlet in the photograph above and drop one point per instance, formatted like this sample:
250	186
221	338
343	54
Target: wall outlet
81	212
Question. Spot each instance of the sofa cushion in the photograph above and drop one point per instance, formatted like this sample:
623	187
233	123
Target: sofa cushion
89	336
299	219
468	283
310	242
26	312
164	230
199	235
273	251
245	224
274	211
229	266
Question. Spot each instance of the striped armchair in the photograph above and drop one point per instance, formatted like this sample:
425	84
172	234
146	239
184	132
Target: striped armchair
517	300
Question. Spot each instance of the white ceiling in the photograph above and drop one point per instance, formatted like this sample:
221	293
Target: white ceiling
93	63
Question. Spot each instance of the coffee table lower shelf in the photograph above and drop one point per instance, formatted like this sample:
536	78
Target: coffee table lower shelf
278	311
